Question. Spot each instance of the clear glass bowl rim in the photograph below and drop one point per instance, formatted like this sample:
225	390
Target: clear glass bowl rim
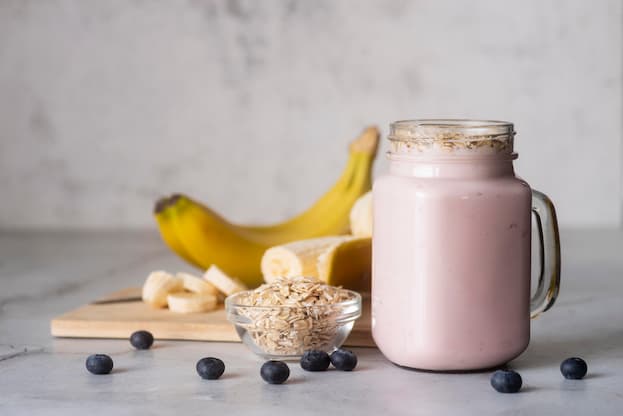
356	300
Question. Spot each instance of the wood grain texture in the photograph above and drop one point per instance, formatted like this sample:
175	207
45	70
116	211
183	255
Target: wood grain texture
119	320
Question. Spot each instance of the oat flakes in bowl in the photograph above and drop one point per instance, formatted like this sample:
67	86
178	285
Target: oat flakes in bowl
288	316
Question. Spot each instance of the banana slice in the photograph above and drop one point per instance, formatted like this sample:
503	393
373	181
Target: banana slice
196	284
226	284
184	302
158	285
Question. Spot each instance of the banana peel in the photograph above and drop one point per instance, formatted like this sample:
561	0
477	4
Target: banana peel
348	264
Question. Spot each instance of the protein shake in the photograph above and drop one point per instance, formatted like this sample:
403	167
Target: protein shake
451	247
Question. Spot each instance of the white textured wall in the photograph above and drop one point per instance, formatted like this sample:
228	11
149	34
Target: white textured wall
248	105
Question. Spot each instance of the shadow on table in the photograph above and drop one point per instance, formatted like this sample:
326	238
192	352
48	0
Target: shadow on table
545	351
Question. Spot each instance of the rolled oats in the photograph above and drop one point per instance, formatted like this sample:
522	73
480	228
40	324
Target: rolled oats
458	143
296	314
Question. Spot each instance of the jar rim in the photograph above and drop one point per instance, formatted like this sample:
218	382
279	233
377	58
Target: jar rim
462	122
449	129
456	136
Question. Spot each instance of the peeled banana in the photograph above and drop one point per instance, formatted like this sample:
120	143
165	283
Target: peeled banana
203	238
299	258
361	216
338	261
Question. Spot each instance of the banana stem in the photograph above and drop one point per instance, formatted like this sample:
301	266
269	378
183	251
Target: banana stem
367	142
165	202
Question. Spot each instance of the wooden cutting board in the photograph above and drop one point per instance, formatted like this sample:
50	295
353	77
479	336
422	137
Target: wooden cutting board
119	320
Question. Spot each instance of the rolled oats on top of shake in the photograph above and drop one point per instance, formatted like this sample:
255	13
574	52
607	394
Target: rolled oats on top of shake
415	137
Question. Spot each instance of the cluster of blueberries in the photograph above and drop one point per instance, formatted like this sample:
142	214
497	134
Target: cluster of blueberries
509	381
211	368
277	372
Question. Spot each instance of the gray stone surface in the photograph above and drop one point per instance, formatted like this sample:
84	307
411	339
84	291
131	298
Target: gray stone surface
44	274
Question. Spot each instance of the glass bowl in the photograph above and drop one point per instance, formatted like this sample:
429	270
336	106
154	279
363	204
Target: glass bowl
285	332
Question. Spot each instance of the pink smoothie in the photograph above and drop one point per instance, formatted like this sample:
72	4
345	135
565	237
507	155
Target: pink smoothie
451	263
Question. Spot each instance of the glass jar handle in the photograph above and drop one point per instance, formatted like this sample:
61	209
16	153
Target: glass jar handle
549	244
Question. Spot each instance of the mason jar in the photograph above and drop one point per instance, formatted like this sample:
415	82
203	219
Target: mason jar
452	234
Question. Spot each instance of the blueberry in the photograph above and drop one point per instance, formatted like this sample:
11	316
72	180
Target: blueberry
99	364
344	360
315	360
573	368
506	381
210	368
275	372
141	340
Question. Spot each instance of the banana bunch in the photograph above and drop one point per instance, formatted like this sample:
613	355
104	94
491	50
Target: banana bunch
203	238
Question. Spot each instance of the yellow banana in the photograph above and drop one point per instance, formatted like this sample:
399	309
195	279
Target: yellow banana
202	237
211	240
164	218
330	214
